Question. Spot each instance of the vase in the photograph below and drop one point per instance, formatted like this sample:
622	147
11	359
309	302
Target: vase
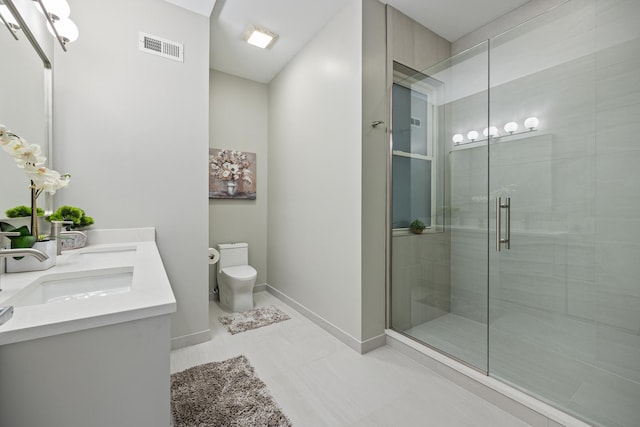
232	188
26	221
34	211
29	263
72	240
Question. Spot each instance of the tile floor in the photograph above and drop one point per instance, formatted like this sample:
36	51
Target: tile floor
319	381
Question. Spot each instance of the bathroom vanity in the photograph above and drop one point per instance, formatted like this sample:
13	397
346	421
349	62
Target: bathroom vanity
89	341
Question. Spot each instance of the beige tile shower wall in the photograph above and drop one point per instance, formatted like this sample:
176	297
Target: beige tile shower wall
420	269
375	107
617	201
504	23
421	278
412	44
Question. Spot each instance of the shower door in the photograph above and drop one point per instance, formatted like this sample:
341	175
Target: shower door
564	286
439	277
531	269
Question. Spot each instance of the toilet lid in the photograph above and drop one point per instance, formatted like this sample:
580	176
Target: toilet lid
240	271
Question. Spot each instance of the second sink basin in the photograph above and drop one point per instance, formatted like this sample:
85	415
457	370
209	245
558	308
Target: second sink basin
82	285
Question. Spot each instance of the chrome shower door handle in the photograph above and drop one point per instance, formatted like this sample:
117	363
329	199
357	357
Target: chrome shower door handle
498	222
499	207
507	206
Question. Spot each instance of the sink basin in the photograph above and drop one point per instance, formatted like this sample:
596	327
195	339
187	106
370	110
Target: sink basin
82	285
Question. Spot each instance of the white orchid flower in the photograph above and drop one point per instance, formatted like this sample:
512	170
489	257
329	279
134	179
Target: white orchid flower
45	179
10	142
10	145
55	183
29	154
4	135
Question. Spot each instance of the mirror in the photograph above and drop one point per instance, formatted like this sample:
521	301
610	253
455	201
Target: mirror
25	98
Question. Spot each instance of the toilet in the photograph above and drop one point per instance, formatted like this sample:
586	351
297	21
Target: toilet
236	277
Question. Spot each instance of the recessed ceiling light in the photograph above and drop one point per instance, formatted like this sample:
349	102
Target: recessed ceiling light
260	37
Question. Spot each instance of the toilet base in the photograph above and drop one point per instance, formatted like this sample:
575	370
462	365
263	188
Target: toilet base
236	303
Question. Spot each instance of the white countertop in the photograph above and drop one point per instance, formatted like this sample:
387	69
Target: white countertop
124	249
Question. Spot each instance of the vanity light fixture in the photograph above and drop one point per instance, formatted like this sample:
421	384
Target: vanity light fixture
260	37
66	29
511	127
56	9
58	22
8	20
531	125
490	131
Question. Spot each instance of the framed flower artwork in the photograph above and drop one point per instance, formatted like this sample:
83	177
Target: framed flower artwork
232	174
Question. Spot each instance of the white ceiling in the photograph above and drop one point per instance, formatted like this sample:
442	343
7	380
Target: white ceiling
201	7
298	21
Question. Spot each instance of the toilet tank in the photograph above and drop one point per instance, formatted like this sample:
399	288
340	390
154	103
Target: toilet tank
233	254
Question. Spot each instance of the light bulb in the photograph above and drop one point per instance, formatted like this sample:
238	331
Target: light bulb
66	29
473	135
457	138
531	123
57	9
491	130
511	127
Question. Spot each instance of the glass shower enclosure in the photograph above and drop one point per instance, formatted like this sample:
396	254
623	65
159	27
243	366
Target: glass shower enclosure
520	157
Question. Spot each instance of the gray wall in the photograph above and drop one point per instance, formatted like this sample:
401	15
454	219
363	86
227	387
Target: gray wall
132	129
239	121
314	210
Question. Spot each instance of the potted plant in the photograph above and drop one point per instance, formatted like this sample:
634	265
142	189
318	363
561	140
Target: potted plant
71	213
21	215
28	157
22	211
72	238
417	226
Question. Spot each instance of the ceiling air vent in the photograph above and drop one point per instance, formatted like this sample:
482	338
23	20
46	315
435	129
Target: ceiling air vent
161	47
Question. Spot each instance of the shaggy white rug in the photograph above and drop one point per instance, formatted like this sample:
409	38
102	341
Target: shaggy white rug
252	319
226	393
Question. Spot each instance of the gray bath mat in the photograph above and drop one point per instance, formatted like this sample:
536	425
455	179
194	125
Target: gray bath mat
252	319
226	393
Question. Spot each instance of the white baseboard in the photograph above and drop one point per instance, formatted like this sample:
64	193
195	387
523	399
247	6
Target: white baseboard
357	345
373	343
191	339
529	409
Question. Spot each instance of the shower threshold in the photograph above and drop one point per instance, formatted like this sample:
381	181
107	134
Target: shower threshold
507	398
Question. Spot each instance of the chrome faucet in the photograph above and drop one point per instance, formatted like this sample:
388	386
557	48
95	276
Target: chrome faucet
4	253
56	233
37	254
